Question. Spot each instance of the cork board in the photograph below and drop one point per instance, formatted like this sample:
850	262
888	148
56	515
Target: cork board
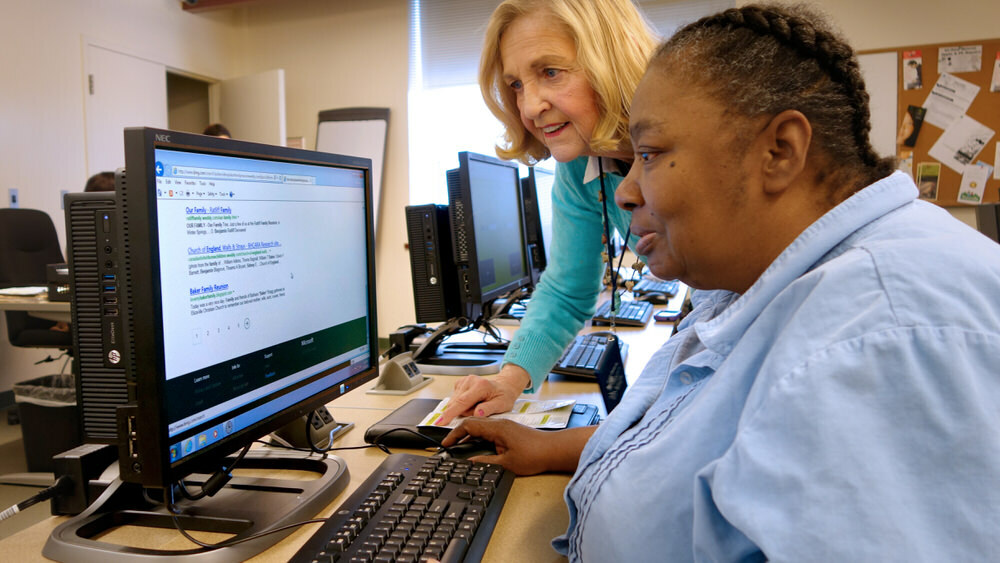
960	119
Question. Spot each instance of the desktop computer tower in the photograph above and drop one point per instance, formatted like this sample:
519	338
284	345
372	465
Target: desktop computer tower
99	337
432	266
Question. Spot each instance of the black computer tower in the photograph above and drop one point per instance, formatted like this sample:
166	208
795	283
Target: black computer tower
432	266
96	289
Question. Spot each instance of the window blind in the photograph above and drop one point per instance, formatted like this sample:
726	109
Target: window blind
447	35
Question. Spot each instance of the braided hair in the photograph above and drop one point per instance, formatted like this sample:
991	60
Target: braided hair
764	59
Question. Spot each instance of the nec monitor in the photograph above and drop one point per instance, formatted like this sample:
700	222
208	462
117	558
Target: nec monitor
536	192
250	282
484	204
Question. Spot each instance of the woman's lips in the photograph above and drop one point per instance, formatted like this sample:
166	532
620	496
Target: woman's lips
553	130
645	243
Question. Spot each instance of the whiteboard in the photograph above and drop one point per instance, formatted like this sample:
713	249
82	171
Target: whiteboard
879	71
357	132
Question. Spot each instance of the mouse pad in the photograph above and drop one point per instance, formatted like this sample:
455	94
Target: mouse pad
407	416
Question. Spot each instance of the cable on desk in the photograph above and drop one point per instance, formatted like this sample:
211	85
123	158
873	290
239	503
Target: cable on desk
63	485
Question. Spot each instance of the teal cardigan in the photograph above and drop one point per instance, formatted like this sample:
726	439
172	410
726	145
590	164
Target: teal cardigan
566	296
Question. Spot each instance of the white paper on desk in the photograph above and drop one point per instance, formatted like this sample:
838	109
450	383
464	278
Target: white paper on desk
550	415
960	59
973	183
23	291
949	99
961	143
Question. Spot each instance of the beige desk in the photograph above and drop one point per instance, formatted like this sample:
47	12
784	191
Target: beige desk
38	306
533	514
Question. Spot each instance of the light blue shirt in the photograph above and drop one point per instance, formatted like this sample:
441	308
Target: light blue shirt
845	408
567	294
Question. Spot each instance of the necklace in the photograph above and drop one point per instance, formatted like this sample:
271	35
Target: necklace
611	272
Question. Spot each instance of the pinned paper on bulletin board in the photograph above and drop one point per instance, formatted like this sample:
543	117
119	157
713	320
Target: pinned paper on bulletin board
973	183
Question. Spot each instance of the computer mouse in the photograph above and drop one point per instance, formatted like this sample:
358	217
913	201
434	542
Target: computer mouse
654	297
471	448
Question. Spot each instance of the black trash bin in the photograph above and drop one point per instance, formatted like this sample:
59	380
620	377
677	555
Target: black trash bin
50	420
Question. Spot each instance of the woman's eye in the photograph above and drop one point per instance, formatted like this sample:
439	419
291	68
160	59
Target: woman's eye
551	72
515	85
644	156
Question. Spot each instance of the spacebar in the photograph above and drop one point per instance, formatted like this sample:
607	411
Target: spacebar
456	551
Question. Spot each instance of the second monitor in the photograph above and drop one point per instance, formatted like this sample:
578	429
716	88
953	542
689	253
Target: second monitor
463	260
484	204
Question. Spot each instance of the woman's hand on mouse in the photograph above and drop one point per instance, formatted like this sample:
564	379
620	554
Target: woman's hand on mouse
522	449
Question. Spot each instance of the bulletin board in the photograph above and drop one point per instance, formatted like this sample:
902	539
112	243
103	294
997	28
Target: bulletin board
954	122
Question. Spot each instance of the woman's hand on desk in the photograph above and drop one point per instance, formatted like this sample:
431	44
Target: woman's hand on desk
522	449
479	396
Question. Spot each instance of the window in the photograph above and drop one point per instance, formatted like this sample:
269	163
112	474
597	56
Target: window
446	111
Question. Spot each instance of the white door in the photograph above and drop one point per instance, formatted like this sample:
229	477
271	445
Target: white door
252	107
120	91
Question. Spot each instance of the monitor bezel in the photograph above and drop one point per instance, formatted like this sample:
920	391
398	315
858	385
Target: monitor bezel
538	245
144	451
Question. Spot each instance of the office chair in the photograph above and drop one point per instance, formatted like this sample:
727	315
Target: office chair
28	242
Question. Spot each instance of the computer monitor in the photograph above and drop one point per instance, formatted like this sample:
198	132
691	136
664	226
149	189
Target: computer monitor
484	229
488	235
988	220
246	291
536	192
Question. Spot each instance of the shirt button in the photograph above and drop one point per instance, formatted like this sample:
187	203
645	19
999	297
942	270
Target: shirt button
686	378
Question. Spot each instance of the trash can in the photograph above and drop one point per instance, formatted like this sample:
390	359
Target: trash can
50	420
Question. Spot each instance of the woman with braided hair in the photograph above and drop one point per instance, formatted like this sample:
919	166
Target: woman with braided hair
828	399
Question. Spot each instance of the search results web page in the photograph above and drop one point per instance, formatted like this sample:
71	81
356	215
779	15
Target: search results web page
263	272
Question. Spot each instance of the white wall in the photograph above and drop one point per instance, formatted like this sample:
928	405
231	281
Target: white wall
42	143
347	53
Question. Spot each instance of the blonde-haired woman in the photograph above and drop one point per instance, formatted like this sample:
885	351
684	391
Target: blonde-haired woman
560	74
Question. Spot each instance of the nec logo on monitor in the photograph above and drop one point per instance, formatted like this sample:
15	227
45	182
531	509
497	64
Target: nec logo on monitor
163	138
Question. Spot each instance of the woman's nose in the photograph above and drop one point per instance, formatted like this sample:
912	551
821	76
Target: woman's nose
535	102
628	196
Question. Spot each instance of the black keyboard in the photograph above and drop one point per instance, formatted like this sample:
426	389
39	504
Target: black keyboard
414	507
653	285
584	355
629	313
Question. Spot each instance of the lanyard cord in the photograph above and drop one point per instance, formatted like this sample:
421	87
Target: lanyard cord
609	253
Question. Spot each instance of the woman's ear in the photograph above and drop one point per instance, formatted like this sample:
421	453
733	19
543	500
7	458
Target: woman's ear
786	141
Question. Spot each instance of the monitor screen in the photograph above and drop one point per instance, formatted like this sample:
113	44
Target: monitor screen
543	195
487	227
251	284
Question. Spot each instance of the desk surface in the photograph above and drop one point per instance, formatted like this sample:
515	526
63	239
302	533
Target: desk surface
38	305
533	514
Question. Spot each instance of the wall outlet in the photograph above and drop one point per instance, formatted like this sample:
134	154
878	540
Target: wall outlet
13	199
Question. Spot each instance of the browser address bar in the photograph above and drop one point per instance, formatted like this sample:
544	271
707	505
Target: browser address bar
220	174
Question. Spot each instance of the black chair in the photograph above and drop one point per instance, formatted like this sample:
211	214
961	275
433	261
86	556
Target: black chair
28	243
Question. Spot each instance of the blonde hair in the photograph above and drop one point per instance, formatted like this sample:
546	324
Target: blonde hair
613	45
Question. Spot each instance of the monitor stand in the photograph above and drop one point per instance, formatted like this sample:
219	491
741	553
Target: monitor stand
458	358
244	507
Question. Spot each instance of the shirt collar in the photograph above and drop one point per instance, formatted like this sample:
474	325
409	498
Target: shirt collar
592	170
829	231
